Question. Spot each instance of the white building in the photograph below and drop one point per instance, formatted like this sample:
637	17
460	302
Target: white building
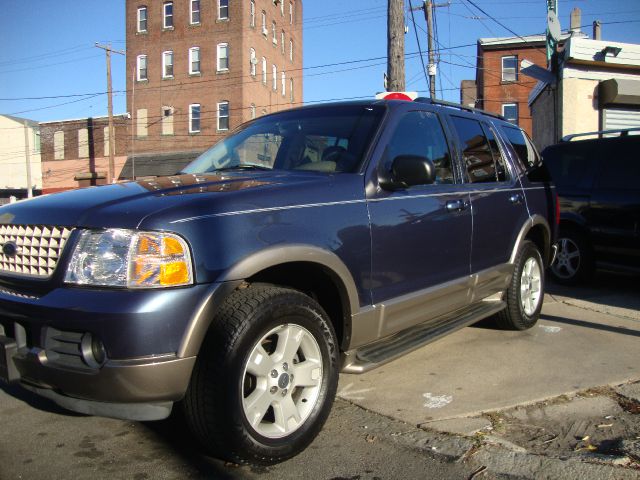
597	88
13	157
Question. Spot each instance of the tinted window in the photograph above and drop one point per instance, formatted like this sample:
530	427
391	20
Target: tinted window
619	166
476	152
522	146
570	164
420	133
502	174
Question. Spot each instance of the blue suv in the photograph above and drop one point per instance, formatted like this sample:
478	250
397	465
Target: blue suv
322	239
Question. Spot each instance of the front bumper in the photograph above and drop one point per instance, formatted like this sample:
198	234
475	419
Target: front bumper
142	334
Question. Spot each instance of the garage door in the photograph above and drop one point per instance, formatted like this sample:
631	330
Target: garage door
616	118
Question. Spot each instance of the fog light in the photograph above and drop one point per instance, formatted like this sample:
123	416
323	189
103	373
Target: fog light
93	351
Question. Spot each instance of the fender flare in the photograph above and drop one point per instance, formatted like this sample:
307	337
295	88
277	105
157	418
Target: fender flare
532	222
261	260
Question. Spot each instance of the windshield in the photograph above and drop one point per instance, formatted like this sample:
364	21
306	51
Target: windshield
324	139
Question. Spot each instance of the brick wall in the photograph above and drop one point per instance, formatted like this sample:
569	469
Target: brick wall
493	92
78	161
209	87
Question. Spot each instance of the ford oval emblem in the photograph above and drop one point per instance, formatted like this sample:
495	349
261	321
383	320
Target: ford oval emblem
10	249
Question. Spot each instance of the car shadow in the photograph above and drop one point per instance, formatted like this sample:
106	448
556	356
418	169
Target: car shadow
36	401
175	435
605	288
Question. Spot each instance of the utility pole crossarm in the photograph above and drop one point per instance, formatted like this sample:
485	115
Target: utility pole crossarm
112	153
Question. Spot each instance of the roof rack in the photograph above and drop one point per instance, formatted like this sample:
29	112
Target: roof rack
459	106
622	131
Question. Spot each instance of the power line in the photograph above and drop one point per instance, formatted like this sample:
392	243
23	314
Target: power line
415	29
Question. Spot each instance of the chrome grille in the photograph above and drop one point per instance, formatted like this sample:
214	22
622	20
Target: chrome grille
34	249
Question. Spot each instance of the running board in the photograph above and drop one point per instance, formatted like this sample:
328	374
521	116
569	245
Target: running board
383	351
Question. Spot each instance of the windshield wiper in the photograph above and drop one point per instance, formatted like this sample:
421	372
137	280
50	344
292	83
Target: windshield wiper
243	166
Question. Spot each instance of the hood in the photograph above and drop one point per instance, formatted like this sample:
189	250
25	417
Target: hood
125	205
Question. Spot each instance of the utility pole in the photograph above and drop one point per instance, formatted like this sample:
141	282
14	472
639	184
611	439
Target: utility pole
27	154
395	46
108	50
431	66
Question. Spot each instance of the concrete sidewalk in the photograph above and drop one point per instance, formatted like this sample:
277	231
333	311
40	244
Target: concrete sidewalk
586	337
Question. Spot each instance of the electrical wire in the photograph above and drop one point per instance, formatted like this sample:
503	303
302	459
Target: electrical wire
415	29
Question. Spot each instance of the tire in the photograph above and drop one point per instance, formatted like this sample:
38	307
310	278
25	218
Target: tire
265	378
525	294
574	261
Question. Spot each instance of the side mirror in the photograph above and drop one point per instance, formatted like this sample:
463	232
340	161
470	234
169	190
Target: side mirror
406	171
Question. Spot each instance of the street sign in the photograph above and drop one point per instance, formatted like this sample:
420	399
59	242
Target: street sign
530	69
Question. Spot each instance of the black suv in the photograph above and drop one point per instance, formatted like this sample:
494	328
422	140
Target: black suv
311	241
598	182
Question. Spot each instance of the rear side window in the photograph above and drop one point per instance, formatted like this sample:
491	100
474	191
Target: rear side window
570	165
420	133
523	147
619	165
477	157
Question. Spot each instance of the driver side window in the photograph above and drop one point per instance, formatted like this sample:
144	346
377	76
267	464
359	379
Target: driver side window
420	133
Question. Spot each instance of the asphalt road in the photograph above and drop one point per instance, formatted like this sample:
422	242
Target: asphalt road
47	443
587	337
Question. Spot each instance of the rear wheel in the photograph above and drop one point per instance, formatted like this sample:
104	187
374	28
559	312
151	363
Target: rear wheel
266	376
574	260
525	294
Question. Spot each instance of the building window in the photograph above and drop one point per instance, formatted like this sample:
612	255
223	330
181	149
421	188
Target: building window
58	145
290	13
283	78
253	111
223	9
142	20
83	143
275	34
167	64
167	120
252	14
252	62
36	141
510	112
264	23
291	90
223	57
141	122
223	116
281	8
194	118
195	12
264	70
105	135
282	41
291	49
194	60
168	15
274	70
510	69
141	68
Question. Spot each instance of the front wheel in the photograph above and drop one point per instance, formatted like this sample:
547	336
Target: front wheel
525	294
266	376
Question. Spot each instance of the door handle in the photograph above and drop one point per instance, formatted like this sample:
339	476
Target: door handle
456	206
516	199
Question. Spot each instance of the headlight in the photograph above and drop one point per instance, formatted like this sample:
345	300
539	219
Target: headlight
127	258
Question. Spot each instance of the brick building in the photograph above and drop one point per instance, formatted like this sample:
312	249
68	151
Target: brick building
197	69
501	87
75	153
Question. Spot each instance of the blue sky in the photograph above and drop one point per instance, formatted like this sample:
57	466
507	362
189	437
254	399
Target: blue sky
48	47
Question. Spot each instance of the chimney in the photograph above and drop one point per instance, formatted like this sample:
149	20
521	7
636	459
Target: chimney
597	30
576	16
